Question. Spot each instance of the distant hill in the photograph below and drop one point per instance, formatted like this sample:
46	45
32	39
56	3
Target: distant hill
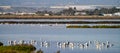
39	5
27	9
47	3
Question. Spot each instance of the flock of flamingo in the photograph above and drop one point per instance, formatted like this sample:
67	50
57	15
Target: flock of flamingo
65	44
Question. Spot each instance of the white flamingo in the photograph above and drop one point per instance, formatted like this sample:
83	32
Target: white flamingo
21	42
14	42
81	45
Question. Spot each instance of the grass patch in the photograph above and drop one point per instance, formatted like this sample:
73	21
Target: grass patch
97	26
1	44
24	48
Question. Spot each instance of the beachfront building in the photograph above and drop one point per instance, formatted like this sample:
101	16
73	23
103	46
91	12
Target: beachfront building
24	13
20	13
16	13
78	7
5	7
0	13
7	13
107	14
80	13
117	14
46	14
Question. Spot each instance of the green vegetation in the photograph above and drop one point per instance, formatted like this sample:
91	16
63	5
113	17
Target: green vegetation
1	44
102	11
71	11
58	51
24	48
98	26
39	51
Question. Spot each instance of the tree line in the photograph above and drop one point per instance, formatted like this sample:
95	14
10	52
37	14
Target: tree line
71	11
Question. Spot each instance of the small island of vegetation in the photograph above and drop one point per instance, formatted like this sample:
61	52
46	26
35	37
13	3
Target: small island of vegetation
19	48
97	26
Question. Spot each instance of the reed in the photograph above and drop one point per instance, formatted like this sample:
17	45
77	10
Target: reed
97	26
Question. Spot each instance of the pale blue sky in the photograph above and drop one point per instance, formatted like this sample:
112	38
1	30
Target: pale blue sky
57	2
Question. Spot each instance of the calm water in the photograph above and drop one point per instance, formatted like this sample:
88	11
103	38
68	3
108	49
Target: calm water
59	33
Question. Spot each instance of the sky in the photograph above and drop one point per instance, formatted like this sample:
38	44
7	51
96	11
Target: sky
57	2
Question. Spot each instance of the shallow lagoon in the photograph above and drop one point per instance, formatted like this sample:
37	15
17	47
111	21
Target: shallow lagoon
59	33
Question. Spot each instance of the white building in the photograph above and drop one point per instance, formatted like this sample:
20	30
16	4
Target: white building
117	14
0	12
80	13
84	7
24	13
5	7
46	14
31	13
78	7
20	13
107	15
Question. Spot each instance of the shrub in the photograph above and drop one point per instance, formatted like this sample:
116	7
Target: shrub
24	48
40	51
1	44
9	51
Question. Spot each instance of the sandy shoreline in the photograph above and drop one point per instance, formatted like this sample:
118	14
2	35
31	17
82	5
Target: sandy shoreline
57	17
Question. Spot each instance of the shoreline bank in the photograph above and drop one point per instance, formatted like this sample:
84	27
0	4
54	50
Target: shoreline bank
59	22
96	26
57	17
